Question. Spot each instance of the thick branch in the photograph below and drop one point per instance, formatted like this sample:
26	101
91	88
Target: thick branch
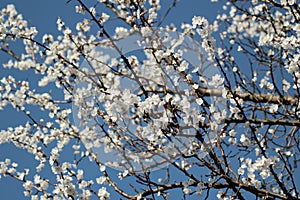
254	97
250	188
266	121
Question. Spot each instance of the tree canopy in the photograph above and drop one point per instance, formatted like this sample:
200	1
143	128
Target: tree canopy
126	106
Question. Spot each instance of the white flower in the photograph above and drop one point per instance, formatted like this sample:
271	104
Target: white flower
199	21
104	17
47	37
187	190
241	171
103	194
80	174
121	32
10	8
153	14
273	108
28	185
70	190
244	140
102	168
146	32
232	132
232	140
183	66
217	80
60	24
34	197
44	184
264	174
288	2
79	9
101	180
154	2
199	101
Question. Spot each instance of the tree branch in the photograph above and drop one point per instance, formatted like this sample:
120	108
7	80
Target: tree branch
254	97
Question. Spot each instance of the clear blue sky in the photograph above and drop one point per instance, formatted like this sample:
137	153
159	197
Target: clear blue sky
43	14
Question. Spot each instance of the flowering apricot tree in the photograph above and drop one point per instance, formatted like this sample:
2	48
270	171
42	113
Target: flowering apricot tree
205	110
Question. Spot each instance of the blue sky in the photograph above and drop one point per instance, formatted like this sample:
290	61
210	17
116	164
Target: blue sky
43	14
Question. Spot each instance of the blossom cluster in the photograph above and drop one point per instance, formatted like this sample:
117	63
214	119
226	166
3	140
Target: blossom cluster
146	98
